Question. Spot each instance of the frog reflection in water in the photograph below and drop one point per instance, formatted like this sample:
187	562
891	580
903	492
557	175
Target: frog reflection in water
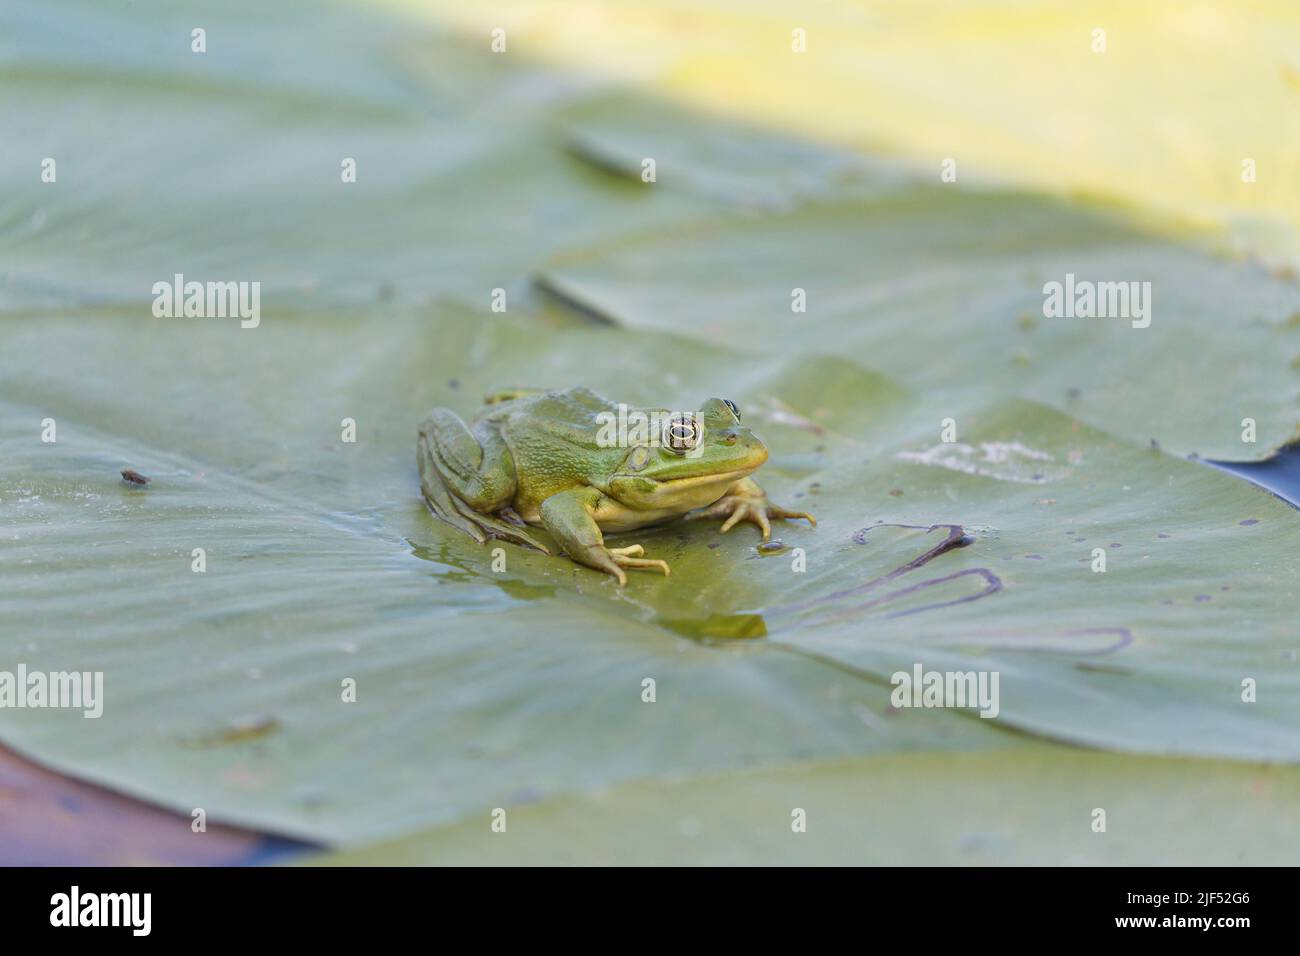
538	458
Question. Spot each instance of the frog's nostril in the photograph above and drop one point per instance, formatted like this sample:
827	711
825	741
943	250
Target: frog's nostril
729	436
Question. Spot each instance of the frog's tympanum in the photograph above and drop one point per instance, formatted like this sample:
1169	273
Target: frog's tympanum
548	459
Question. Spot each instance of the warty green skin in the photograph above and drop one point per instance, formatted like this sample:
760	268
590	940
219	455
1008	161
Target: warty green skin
532	457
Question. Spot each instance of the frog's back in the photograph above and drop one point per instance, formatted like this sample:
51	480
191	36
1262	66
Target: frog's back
574	406
579	405
552	438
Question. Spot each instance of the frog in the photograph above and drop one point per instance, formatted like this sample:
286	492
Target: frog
550	459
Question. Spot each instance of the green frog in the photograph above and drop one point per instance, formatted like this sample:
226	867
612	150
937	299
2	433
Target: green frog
580	466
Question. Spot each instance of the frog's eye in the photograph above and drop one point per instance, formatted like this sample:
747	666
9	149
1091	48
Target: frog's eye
732	405
682	433
638	458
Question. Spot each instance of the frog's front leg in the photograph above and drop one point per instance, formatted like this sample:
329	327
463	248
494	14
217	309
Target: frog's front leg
746	501
569	515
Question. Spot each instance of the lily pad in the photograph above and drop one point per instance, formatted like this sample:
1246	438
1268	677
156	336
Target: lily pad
474	687
945	289
271	566
1031	807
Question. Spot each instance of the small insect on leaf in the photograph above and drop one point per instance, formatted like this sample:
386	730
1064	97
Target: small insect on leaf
133	477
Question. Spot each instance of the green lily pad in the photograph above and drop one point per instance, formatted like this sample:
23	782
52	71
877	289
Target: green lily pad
323	565
945	290
269	562
1030	807
229	165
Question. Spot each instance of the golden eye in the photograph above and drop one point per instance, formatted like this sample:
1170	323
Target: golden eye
681	433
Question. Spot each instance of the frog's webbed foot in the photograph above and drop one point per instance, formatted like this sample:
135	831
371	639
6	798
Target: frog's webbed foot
614	560
445	505
632	557
511	515
746	501
568	515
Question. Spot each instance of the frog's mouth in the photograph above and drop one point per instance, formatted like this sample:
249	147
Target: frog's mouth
676	495
714	478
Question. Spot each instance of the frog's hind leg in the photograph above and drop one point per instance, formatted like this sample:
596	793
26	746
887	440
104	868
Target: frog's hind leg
438	496
465	479
497	528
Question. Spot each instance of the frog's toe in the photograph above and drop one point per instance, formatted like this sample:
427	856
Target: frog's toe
719	509
645	563
776	511
599	559
757	511
630	557
751	512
